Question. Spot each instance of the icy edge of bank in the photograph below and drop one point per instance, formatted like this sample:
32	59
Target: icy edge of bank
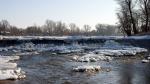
9	70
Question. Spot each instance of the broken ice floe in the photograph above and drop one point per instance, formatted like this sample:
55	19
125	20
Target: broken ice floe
146	60
4	59
92	58
87	68
9	70
27	53
26	46
61	49
121	52
12	74
3	49
108	50
112	48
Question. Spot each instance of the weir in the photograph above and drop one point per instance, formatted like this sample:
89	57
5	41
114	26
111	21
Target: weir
67	40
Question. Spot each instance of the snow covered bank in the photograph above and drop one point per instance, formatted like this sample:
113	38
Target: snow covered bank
71	37
8	69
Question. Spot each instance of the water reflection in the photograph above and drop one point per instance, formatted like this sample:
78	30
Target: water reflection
134	73
126	74
146	72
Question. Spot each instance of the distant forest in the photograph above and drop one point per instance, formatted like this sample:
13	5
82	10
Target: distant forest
52	28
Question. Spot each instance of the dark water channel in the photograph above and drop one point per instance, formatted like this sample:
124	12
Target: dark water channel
46	68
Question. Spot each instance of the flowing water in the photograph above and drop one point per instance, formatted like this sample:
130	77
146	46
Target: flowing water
49	68
46	68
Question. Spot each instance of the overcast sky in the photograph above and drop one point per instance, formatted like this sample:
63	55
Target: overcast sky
23	13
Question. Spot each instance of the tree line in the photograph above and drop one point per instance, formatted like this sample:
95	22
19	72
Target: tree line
52	28
134	16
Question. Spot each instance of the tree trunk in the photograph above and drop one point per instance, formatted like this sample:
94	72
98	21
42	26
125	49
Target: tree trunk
147	16
132	18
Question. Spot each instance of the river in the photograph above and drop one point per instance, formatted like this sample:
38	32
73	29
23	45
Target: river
47	68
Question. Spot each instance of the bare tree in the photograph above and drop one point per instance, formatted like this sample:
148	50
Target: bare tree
33	31
74	30
124	23
60	28
106	30
4	26
127	16
100	28
49	27
145	14
131	10
86	29
14	31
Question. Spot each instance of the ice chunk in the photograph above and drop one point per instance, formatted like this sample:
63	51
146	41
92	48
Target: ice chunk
8	58
9	70
112	44
11	74
110	52
92	58
8	65
87	68
28	53
145	61
3	49
148	58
